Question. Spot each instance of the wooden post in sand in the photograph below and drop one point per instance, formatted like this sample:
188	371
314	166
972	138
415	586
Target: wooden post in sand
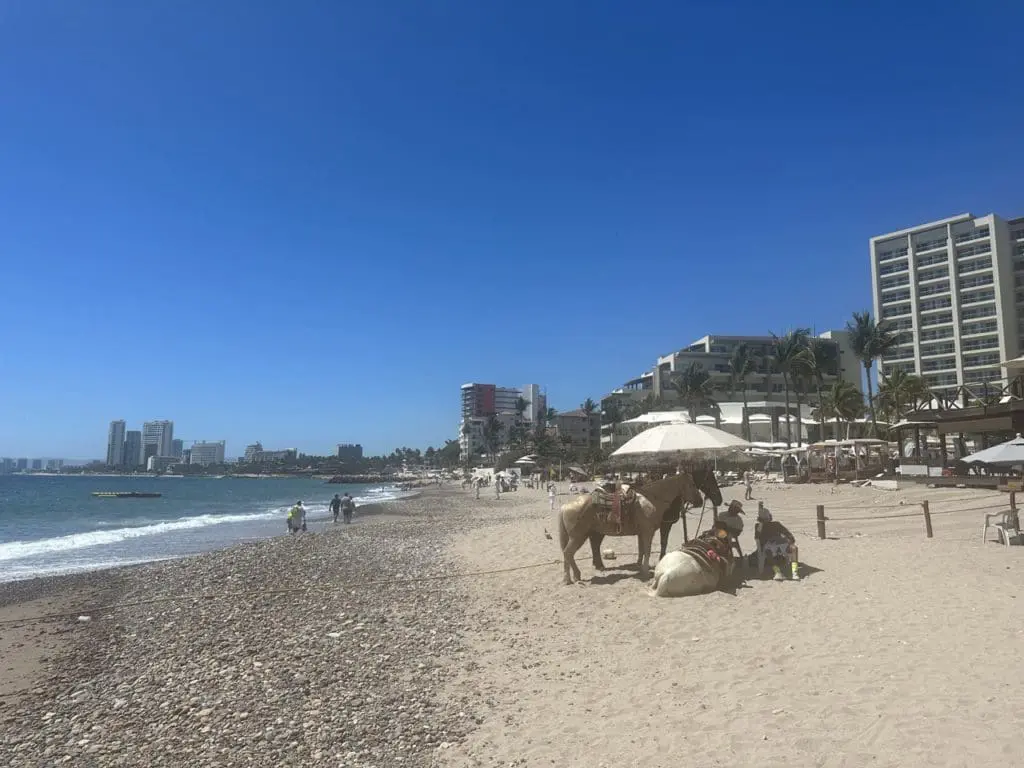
927	519
821	521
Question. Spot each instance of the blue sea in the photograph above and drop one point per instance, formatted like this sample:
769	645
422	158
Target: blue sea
53	525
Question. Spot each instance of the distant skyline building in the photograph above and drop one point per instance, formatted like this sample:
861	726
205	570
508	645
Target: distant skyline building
7	466
177	446
55	465
133	448
37	463
481	401
157	438
955	288
115	443
252	451
350	451
205	453
22	465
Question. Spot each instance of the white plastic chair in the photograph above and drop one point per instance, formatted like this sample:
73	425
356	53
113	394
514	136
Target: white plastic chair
1006	524
770	548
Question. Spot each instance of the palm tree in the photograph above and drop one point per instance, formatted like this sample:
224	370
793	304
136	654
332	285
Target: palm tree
822	361
492	434
871	341
841	401
549	416
898	390
695	391
790	353
588	407
741	365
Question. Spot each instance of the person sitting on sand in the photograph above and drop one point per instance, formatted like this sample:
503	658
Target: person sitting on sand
297	518
336	506
777	543
733	523
348	507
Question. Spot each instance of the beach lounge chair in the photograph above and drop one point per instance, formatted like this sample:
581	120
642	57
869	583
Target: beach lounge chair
1006	524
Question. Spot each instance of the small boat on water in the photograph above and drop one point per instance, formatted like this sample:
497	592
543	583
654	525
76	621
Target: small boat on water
126	495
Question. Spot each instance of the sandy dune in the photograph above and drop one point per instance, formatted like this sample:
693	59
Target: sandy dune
894	649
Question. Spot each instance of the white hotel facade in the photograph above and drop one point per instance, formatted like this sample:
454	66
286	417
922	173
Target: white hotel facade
956	288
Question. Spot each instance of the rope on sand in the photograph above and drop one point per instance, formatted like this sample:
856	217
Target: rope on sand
897	506
907	514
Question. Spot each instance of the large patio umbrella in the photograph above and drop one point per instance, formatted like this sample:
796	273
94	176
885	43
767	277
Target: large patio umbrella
678	442
1006	454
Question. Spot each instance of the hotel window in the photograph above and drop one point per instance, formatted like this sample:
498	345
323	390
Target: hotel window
938	333
939	318
986	326
932	274
974	265
975	296
902	295
934	288
889	269
941	303
945	348
895	282
974	234
974	281
899	309
891	254
988	342
935	258
985	358
942	364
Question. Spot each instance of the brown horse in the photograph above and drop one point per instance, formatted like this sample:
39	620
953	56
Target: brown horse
642	513
704	479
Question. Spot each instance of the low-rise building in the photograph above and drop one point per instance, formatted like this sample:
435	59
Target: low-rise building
764	386
275	457
161	463
579	429
205	453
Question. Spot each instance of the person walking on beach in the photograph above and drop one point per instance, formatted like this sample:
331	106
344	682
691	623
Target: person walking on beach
497	487
348	507
336	506
476	484
297	518
748	481
551	496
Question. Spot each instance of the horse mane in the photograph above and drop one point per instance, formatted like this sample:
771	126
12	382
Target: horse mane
663	492
706	482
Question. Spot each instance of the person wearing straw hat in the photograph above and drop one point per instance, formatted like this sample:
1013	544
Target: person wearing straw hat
733	522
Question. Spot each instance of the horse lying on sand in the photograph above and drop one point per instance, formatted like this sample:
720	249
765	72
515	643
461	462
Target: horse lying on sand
632	513
702	565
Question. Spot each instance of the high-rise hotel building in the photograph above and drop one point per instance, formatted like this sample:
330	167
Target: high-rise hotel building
955	287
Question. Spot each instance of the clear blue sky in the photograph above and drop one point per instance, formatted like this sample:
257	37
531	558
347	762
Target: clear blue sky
310	222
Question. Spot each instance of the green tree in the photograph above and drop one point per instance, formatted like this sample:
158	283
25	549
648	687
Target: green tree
842	401
789	352
823	361
588	407
741	365
871	341
899	390
549	416
492	435
696	394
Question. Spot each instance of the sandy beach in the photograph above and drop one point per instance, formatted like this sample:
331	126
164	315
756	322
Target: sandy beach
893	650
440	634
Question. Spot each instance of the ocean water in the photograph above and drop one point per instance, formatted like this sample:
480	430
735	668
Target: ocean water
53	525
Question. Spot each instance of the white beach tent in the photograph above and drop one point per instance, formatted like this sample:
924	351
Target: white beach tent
1008	454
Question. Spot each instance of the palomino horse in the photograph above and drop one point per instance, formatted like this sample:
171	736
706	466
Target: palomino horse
703	478
639	513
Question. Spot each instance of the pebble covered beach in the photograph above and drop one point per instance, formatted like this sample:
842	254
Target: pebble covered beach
326	648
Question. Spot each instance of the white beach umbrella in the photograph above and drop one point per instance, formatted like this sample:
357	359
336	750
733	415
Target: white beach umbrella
1009	453
680	441
659	417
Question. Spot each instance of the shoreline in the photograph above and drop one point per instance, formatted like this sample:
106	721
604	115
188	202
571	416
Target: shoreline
194	656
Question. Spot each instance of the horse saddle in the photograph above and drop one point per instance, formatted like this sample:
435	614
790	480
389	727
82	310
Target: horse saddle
712	550
606	499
